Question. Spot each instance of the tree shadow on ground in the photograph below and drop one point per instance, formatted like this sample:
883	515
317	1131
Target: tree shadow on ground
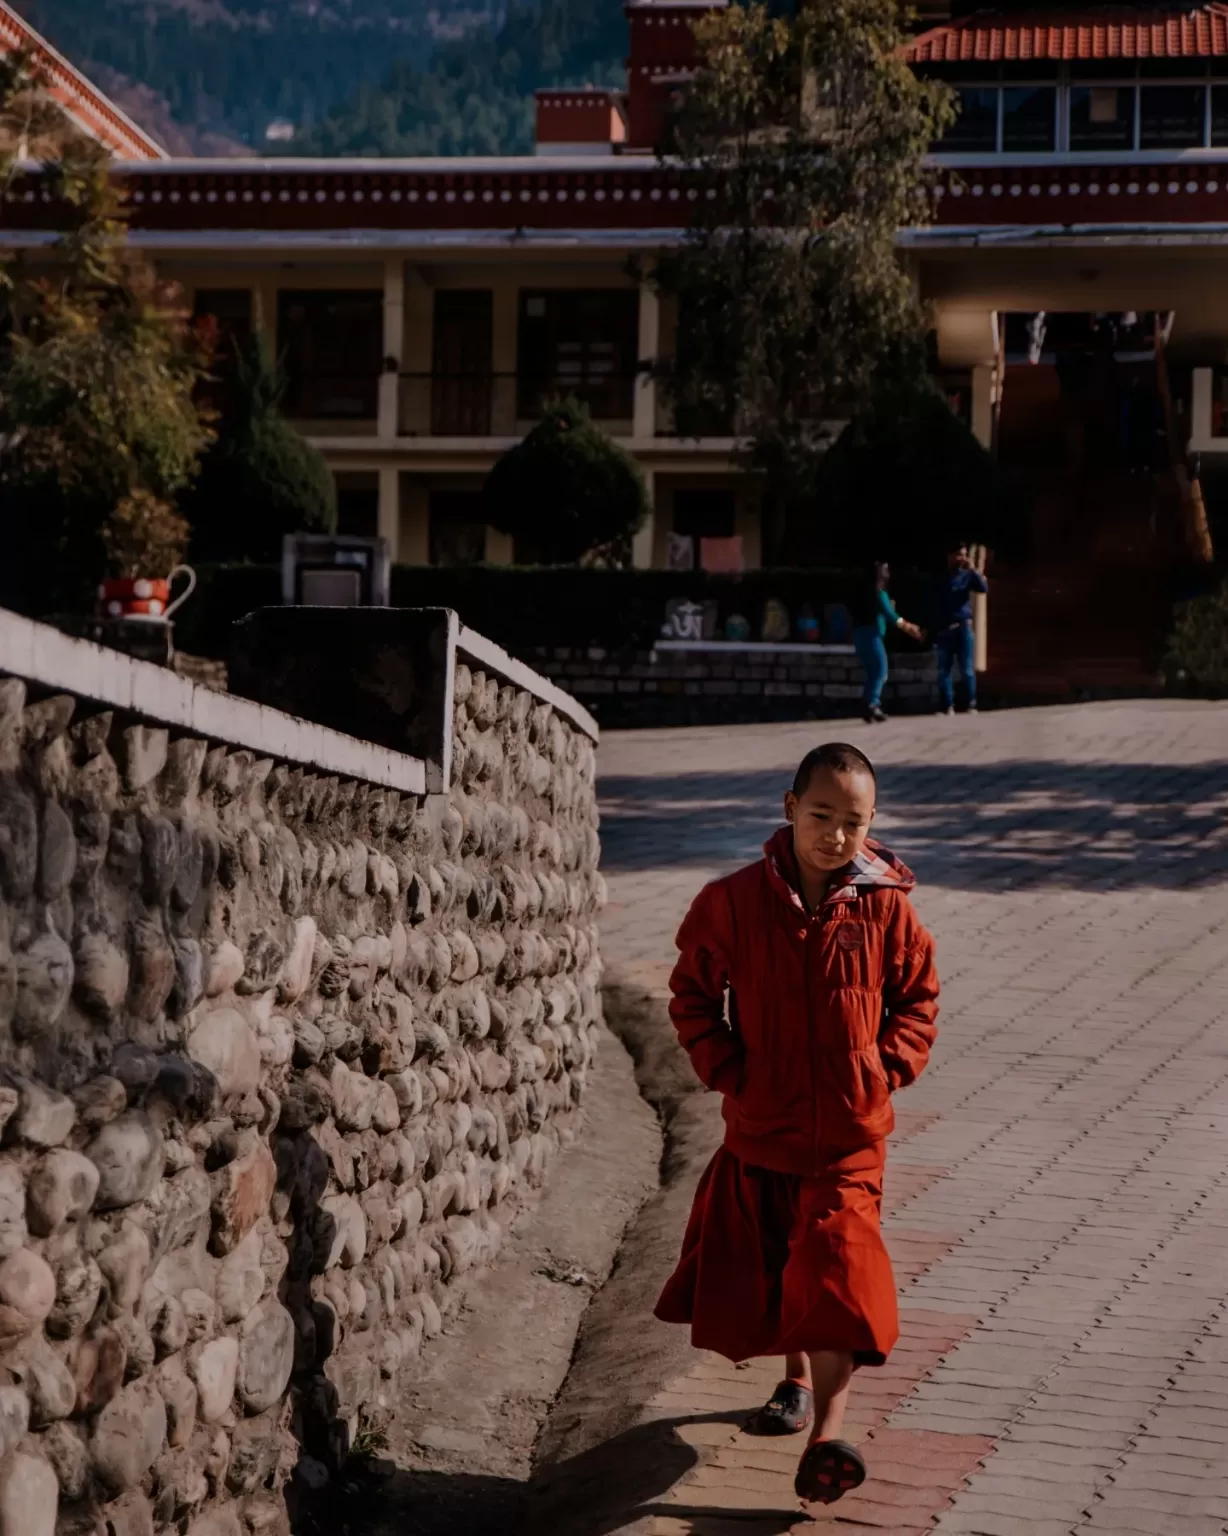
1001	826
601	1491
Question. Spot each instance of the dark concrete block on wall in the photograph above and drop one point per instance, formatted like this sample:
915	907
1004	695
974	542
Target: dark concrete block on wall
380	674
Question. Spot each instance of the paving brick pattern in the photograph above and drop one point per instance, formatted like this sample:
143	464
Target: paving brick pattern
1057	1190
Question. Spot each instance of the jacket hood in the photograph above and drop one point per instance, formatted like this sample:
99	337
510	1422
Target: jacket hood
874	868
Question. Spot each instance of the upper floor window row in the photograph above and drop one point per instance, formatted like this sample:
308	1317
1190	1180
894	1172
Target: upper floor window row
1087	115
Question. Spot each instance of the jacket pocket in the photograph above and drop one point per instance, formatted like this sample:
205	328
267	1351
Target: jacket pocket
761	1107
858	1104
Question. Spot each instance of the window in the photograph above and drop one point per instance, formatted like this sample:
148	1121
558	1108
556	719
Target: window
1102	117
975	129
1219	116
1172	116
1012	117
579	342
332	345
1029	117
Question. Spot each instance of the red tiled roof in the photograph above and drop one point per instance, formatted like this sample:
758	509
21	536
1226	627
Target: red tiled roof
1100	32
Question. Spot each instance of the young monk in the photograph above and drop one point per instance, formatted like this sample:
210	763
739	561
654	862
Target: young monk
805	994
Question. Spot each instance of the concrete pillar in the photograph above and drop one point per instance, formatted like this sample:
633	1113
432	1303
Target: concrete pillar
394	348
644	417
1201	410
642	544
389	509
419	320
982	429
500	548
505	301
264	312
983	403
749	524
415	543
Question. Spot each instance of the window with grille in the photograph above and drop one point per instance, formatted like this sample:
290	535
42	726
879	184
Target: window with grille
331	344
579	342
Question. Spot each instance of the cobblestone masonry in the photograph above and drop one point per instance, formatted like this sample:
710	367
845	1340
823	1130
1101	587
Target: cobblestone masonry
278	1049
664	687
1057	1193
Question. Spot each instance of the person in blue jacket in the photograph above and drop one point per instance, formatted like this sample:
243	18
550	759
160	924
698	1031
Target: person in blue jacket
953	627
874	614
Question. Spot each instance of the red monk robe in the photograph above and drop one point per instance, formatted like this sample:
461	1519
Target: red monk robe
806	1025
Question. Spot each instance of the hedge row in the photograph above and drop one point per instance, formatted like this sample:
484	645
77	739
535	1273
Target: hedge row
1196	661
531	606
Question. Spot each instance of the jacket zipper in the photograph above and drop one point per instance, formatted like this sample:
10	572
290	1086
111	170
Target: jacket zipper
810	1030
820	920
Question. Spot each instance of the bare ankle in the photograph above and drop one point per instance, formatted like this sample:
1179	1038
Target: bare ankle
832	1374
797	1368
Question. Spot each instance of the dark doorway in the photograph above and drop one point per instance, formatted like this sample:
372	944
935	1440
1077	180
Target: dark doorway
461	379
358	505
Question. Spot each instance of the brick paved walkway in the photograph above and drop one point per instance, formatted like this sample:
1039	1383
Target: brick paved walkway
1057	1190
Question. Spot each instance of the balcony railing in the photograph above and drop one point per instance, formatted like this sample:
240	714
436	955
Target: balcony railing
333	397
466	405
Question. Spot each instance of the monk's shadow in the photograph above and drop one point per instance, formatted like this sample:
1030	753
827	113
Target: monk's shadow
712	1520
597	1493
626	1479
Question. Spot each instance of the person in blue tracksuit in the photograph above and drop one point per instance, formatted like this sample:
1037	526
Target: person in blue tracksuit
953	634
874	614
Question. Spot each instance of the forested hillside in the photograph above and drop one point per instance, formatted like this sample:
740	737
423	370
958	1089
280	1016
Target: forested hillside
476	96
353	76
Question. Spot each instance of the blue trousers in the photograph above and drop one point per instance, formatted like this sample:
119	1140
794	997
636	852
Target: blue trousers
872	654
956	647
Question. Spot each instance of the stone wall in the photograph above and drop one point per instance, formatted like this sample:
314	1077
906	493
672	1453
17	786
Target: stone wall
281	1047
725	683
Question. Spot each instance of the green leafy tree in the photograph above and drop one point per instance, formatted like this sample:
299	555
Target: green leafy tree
99	432
567	491
31	125
807	137
261	479
905	478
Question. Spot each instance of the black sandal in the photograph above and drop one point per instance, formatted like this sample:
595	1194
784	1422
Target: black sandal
829	1469
788	1411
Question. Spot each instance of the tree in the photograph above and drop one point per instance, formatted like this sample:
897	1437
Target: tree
905	479
805	139
566	491
261	479
98	429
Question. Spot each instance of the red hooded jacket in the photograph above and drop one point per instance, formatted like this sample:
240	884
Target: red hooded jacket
806	1024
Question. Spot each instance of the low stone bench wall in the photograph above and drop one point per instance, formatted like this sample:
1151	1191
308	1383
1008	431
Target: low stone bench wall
288	1020
718	682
